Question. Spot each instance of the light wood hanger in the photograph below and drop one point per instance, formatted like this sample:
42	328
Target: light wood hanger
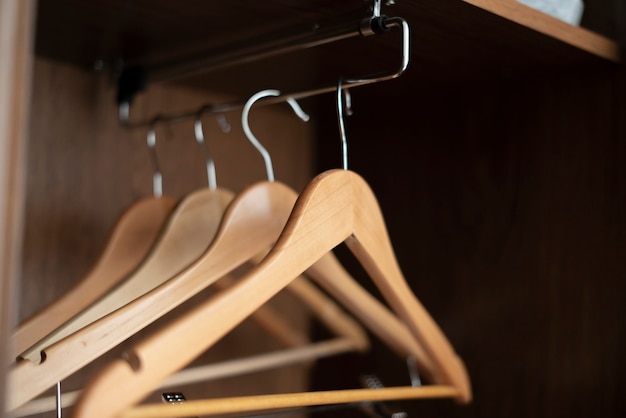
336	207
267	205
132	238
130	241
186	235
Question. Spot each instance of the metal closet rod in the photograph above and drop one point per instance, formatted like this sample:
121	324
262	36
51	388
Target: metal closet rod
368	27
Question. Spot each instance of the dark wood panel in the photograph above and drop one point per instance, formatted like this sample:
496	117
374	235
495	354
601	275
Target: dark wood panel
505	203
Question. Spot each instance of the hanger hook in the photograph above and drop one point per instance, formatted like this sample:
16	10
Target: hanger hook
246	125
414	374
210	163
376	8
58	400
157	178
343	92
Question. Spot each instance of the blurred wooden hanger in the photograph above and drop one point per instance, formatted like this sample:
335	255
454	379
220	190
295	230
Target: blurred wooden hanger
129	243
186	234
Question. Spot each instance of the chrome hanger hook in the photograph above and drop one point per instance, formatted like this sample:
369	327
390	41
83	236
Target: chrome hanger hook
341	108
414	375
157	178
376	8
253	140
58	400
210	163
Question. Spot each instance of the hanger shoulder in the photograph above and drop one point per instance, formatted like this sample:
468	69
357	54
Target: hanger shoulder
131	239
371	245
186	235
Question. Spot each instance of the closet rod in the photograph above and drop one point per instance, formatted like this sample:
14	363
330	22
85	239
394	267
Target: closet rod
375	25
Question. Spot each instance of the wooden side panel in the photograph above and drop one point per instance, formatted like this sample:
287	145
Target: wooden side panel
15	70
85	169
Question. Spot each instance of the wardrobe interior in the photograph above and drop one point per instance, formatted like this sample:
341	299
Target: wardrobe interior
498	159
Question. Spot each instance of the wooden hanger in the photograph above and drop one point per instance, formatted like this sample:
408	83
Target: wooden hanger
265	205
131	239
186	235
336	207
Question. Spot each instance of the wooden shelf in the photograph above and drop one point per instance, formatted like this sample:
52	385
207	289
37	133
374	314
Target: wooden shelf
576	36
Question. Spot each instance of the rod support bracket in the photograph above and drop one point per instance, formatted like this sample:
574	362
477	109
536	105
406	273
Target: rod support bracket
373	26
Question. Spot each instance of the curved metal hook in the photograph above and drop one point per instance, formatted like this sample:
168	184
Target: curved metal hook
341	107
210	163
253	140
383	24
157	178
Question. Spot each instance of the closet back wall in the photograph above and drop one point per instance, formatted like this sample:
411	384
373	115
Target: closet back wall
505	203
84	170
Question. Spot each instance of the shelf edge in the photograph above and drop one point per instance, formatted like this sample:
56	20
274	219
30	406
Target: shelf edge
576	36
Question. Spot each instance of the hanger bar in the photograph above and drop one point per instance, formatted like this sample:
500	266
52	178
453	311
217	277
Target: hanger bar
244	404
385	23
221	370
